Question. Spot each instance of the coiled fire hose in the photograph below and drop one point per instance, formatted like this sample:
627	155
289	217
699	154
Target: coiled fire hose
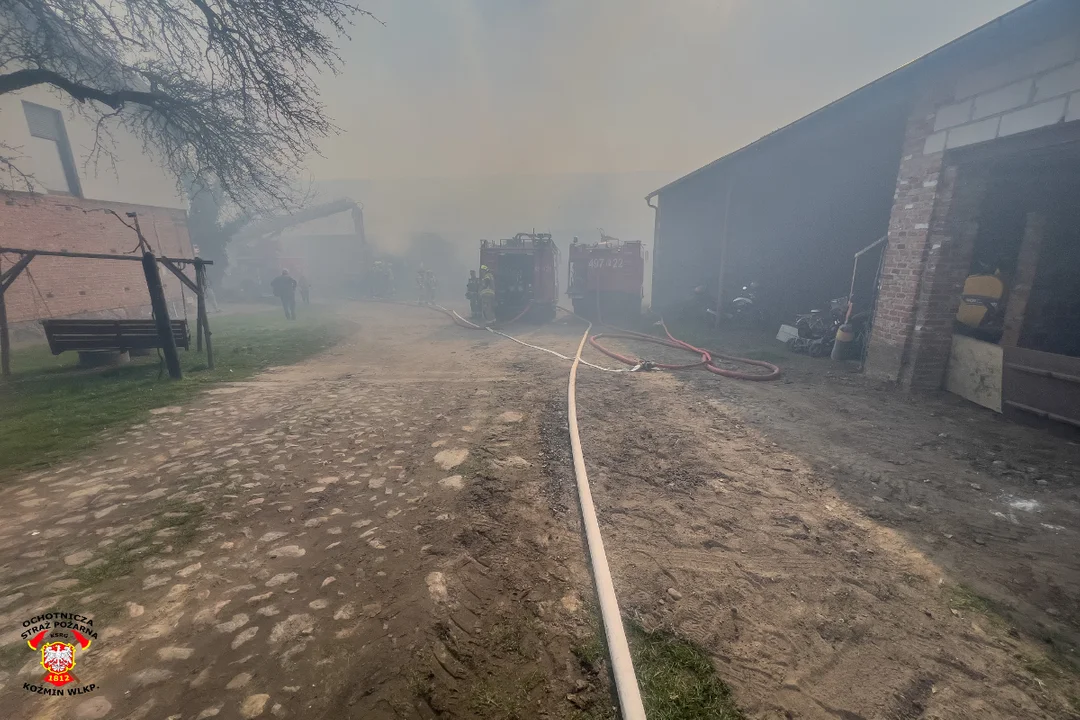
706	361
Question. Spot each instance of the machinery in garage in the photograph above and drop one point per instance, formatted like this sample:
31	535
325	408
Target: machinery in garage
526	281
606	279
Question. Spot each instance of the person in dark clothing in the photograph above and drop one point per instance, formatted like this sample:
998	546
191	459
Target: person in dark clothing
472	294
285	288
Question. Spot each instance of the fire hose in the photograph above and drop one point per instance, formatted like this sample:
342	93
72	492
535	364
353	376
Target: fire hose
622	664
706	361
626	683
672	341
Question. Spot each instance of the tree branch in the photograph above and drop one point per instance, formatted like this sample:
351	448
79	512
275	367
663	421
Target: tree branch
116	99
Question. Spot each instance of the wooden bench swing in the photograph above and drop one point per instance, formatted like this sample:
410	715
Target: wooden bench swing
85	335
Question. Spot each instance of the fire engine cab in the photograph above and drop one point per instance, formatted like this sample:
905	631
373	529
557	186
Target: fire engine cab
526	281
607	279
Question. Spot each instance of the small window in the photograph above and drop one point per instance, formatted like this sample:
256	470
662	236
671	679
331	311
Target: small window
51	151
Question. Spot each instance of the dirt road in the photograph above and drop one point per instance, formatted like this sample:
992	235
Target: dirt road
388	531
362	535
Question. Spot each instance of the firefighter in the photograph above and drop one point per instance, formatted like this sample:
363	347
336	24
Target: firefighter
421	283
487	295
472	294
388	280
429	287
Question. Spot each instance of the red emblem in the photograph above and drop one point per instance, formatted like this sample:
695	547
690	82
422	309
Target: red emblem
58	658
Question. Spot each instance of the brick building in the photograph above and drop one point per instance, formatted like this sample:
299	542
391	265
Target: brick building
967	158
68	208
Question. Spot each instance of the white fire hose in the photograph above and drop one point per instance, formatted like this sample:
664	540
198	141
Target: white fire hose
622	665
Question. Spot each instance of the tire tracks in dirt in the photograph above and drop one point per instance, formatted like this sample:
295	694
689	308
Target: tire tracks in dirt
809	607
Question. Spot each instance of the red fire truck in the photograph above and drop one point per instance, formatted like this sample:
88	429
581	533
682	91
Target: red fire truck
607	278
525	275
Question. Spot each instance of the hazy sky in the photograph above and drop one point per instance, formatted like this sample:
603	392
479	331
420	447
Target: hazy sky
478	87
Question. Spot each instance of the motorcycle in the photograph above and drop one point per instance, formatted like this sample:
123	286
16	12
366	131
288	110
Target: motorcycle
744	309
817	328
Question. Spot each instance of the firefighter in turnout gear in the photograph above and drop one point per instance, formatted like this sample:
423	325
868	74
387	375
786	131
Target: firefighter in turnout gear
472	294
429	287
421	285
487	294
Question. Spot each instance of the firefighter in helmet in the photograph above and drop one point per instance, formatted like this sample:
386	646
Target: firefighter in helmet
472	294
487	294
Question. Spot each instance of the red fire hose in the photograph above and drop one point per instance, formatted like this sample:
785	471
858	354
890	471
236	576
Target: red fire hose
706	355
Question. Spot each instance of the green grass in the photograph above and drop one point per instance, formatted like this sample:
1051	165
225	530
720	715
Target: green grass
49	410
677	678
499	700
1057	662
965	599
121	558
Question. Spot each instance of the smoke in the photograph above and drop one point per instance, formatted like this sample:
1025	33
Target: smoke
483	118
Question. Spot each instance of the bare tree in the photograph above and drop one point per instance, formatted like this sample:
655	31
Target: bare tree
217	89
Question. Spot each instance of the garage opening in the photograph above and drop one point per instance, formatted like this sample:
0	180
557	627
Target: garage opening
1022	355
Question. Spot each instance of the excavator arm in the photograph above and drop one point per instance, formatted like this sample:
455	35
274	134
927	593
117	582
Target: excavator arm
271	226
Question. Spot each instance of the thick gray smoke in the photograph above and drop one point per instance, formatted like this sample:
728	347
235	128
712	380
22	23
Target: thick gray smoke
483	118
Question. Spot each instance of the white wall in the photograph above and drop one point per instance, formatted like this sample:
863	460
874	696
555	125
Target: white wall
135	177
1024	91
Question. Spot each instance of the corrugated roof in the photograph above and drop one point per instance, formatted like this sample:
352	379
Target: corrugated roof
895	75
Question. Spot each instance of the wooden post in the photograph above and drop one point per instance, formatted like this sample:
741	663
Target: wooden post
5	340
1027	264
200	281
200	305
161	316
6	279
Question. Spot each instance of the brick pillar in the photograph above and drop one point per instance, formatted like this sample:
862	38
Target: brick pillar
950	247
931	240
1027	264
909	226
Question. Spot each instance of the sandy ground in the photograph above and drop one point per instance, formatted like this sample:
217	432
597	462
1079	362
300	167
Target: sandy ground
841	550
389	531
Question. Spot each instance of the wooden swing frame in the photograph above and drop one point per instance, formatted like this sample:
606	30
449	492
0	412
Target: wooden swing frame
157	299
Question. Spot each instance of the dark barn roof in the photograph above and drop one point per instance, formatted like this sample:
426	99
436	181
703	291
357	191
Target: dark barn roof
1032	11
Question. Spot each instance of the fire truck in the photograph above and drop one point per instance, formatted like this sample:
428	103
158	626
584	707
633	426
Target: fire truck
607	279
526	280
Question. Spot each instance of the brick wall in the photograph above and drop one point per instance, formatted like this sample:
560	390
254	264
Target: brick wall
70	287
931	240
949	248
905	253
932	225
